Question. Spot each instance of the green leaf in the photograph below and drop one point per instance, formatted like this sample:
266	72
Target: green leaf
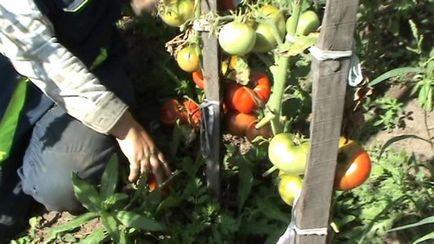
138	221
301	43
429	220
97	236
429	236
69	226
109	178
396	139
114	199
86	194
270	210
111	225
395	72
245	184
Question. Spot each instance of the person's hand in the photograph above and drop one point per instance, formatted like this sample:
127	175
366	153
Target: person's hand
139	6
139	148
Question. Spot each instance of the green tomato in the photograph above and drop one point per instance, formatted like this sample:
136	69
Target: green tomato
286	155
307	23
265	40
289	187
237	38
176	13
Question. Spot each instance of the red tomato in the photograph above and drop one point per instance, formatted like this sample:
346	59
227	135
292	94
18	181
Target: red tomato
170	112
262	86
265	131
152	182
198	79
237	123
354	165
241	98
245	99
193	112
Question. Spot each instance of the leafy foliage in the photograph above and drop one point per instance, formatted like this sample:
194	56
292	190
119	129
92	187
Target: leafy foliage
399	187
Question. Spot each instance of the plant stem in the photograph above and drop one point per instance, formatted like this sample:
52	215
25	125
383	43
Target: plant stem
295	15
280	73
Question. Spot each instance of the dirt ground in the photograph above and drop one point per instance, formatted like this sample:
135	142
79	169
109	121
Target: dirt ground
414	124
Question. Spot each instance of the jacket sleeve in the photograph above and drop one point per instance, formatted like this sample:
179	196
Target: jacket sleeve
27	39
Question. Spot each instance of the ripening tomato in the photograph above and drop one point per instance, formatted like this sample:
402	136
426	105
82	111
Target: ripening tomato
265	39
198	79
152	183
188	59
354	165
193	112
262	85
170	112
241	98
265	131
289	187
237	38
177	12
286	155
237	123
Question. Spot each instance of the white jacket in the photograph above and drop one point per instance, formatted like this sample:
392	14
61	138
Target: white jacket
27	39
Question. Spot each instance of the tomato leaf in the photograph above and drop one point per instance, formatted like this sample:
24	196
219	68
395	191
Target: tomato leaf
109	178
245	184
395	72
271	211
241	74
86	194
138	221
300	44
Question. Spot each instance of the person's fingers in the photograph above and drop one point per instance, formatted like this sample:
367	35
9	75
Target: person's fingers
165	165
156	169
134	170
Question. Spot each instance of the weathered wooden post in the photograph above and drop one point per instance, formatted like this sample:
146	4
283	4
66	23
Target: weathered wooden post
211	67
329	86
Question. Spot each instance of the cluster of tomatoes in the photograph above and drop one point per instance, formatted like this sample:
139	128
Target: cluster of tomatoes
260	32
289	156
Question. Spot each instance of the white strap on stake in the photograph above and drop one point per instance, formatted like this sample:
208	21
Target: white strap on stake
355	76
293	230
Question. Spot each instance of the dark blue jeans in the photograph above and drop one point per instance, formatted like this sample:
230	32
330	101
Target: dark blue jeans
49	146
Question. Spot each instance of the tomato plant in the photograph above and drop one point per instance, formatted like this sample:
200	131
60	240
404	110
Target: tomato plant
354	165
237	38
286	155
188	59
238	123
273	18
289	187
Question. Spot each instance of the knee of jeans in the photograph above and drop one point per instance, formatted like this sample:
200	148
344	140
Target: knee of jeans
47	176
54	193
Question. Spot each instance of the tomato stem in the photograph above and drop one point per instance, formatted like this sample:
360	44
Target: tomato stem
269	171
280	73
